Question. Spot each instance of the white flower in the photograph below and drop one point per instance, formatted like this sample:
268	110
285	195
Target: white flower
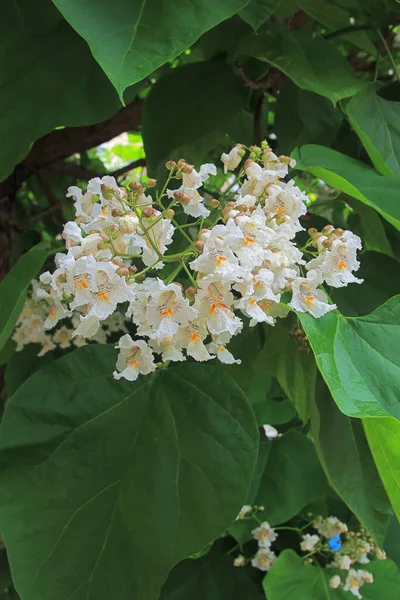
380	554
213	302
264	534
308	298
195	179
270	432
245	510
309	542
233	158
195	208
240	561
191	337
330	527
264	559
160	232
223	354
168	309
167	348
335	582
355	579
135	357
343	561
62	337
335	264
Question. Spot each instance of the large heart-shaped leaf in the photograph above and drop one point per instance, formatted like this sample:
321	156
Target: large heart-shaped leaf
311	62
48	79
129	40
352	177
258	11
190	122
105	486
344	455
383	436
376	122
359	359
13	288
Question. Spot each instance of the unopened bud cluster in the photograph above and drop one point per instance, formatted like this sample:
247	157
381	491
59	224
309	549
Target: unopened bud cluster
240	257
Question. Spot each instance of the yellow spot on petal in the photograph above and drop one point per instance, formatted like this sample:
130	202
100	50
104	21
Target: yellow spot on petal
52	313
280	211
342	265
252	301
194	337
167	313
310	300
248	240
103	296
220	260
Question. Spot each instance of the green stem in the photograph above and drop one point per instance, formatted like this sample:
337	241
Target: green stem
390	55
184	265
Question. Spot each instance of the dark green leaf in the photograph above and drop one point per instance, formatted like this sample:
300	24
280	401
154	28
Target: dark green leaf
383	436
212	577
391	544
376	122
311	62
359	359
13	288
105	486
348	464
48	79
352	177
193	117
289	478
372	231
258	11
386	582
130	40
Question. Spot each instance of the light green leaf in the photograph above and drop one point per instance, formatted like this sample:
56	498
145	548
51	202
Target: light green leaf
13	288
311	62
287	478
258	11
191	120
106	485
212	577
336	18
359	359
352	177
348	464
386	582
48	79
383	436
376	122
130	40
290	579
294	371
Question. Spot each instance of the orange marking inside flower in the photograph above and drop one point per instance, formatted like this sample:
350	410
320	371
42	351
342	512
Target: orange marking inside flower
277	179
252	301
103	296
52	313
248	240
309	300
104	212
220	260
280	211
81	283
212	309
257	285
194	337
342	265
167	313
221	348
134	363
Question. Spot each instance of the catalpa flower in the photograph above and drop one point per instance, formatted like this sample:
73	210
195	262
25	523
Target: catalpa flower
135	357
307	297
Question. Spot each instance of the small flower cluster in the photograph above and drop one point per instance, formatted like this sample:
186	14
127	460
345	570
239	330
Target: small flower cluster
240	260
357	548
30	327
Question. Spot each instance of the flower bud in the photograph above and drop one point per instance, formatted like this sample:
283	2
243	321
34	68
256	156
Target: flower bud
190	292
68	297
150	183
169	214
170	165
181	163
326	244
312	231
148	211
117	212
214	203
132	269
118	262
284	159
339	232
103	246
123	271
188	169
135	186
242	208
107	191
128	223
199	245
183	198
328	229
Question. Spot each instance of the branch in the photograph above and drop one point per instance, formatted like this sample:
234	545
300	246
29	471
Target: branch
61	143
70	168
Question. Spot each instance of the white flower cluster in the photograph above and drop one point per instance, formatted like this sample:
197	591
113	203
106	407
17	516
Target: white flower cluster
240	264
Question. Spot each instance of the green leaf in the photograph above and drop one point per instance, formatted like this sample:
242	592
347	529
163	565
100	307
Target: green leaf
22	365
335	18
14	286
48	79
359	359
348	464
376	122
386	582
106	485
294	371
372	232
287	478
191	121
289	578
311	62
352	177
258	11
212	577
391	544
304	118
130	40
383	435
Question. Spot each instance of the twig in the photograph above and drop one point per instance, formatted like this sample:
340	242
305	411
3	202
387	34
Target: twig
348	29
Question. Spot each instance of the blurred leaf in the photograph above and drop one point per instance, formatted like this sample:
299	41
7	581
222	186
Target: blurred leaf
107	485
383	436
377	123
258	11
130	39
348	464
14	286
352	177
22	365
391	544
289	479
372	231
311	62
359	359
386	582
